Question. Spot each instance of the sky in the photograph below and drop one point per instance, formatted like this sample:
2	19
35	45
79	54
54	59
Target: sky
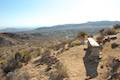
34	13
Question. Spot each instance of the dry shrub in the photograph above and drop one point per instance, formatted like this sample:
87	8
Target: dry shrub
61	69
114	45
75	43
109	32
26	56
36	52
60	73
114	68
22	75
58	46
15	62
81	35
11	66
2	61
47	59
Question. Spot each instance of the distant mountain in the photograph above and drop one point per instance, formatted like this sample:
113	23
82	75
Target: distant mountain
14	29
61	32
88	25
71	30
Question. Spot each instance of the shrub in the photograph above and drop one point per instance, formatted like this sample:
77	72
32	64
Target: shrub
114	73
110	32
101	31
18	75
62	70
60	73
114	45
81	35
26	56
16	62
47	59
2	61
75	43
36	52
22	76
11	65
58	46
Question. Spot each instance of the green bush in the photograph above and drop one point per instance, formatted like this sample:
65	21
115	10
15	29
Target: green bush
26	56
75	43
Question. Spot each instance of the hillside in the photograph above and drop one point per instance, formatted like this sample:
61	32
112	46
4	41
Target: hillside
14	29
65	31
42	57
74	66
89	27
83	26
71	30
62	63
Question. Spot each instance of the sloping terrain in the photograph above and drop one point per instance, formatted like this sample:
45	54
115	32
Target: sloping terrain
73	60
9	39
61	63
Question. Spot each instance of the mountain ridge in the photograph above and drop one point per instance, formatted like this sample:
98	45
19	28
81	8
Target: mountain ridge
95	25
82	25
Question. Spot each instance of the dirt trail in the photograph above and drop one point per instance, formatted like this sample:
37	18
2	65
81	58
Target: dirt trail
73	61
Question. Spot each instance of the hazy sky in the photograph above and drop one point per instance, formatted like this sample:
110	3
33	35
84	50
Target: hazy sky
51	12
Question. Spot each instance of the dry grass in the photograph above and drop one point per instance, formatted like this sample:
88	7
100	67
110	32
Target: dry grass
59	73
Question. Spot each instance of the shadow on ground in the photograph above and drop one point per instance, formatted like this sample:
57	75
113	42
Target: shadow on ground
90	65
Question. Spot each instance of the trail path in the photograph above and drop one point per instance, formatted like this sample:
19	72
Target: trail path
73	61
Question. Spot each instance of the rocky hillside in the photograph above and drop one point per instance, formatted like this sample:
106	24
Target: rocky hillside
64	61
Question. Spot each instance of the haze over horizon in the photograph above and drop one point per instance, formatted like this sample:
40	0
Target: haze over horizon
32	13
